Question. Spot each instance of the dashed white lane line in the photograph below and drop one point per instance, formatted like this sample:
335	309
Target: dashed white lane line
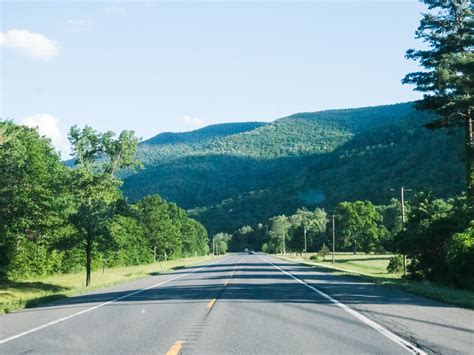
379	328
19	335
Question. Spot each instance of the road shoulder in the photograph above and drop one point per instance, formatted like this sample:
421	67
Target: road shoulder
434	326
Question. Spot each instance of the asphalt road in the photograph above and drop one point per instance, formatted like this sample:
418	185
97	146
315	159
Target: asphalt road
242	304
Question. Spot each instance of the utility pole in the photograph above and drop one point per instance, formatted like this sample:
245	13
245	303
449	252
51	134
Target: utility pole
154	254
333	237
402	212
305	244
402	204
213	246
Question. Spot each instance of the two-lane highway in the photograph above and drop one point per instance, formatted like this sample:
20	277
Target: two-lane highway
235	304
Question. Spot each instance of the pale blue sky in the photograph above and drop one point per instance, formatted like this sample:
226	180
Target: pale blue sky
146	65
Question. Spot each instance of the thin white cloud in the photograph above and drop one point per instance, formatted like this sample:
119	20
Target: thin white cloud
47	125
77	25
193	121
115	10
34	45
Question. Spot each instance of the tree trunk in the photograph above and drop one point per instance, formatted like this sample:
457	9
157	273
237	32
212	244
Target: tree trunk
469	145
88	261
284	246
355	246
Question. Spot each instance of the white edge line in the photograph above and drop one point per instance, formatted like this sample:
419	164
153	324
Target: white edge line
19	335
382	330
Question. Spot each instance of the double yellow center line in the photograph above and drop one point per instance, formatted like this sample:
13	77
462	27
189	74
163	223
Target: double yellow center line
211	303
176	348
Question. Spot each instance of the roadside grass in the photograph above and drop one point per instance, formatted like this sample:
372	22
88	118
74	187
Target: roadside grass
373	267
33	292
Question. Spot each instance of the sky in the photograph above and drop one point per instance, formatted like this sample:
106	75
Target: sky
160	66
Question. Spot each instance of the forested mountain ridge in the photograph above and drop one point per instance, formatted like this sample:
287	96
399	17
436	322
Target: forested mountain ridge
306	159
204	134
301	133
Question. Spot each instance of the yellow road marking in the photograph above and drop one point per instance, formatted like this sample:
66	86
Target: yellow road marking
176	348
211	303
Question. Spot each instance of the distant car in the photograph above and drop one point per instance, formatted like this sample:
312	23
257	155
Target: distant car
251	252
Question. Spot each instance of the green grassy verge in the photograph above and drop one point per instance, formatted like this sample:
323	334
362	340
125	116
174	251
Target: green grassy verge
33	292
373	268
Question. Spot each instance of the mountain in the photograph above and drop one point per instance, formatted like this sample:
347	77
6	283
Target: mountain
203	134
242	173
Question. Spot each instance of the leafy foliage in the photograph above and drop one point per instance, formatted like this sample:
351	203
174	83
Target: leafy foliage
395	264
97	157
245	178
221	243
436	235
448	79
59	219
360	226
323	252
34	201
460	257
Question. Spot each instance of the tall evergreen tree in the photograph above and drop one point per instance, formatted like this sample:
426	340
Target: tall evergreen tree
447	82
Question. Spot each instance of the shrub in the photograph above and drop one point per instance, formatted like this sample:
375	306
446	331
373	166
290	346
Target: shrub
460	258
395	264
323	251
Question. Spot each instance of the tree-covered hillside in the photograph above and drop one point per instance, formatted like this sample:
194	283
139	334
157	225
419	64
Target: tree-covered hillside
307	159
203	134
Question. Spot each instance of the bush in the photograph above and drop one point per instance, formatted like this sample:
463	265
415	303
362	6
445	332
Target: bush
323	251
460	258
314	257
395	264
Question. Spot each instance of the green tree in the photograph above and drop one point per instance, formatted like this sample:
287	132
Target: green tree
128	243
34	202
437	239
314	221
460	257
221	241
160	229
448	81
278	232
97	158
392	221
324	251
168	229
359	225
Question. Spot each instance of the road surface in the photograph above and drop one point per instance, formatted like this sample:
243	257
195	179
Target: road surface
246	304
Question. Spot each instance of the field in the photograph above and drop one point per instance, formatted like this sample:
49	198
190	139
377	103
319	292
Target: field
373	267
32	292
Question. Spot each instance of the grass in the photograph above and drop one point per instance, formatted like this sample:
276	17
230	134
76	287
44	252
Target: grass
374	268
33	292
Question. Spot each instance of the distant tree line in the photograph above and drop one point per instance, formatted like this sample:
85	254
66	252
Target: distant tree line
58	219
438	235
